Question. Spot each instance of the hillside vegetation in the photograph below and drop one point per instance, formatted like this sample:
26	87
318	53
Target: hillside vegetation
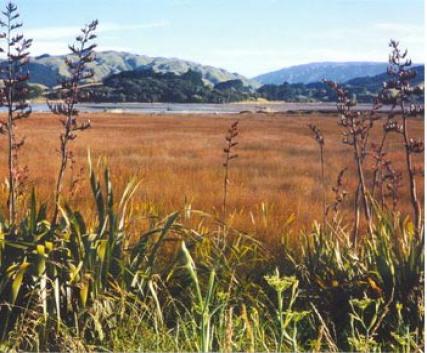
128	77
363	89
138	78
150	86
48	70
190	87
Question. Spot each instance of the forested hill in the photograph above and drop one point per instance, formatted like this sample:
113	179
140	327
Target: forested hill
190	87
151	86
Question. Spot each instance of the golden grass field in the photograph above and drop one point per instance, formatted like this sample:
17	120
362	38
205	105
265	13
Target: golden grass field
179	161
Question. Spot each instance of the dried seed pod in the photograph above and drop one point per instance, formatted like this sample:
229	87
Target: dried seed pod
340	194
317	134
415	146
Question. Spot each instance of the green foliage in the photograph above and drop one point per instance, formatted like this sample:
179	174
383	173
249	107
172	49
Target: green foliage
287	319
84	285
190	87
385	270
150	86
297	92
63	271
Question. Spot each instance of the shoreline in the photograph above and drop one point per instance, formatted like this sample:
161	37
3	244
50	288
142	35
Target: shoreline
208	109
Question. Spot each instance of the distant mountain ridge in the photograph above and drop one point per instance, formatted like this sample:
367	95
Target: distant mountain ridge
151	86
314	72
364	89
46	68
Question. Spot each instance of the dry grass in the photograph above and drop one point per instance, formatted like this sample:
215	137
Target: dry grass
179	160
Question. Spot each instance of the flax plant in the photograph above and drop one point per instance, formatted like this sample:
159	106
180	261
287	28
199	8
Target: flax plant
13	75
82	54
340	195
399	92
379	153
229	155
356	128
319	138
203	305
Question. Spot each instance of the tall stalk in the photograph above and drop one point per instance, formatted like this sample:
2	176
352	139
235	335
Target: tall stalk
321	142
398	91
13	93
82	53
229	154
377	179
356	128
411	147
379	152
363	190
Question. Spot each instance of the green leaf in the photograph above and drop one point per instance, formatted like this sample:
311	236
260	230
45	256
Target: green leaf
17	281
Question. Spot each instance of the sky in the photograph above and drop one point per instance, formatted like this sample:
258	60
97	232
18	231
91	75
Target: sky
250	37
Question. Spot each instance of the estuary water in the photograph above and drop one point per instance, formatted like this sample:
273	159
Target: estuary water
175	108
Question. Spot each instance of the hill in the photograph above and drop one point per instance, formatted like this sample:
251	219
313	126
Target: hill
46	68
315	72
151	86
376	82
190	87
137	78
363	88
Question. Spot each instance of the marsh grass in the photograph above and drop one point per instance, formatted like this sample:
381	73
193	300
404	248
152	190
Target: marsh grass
276	177
182	282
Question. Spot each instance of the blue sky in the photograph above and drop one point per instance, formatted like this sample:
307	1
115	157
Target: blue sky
246	36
